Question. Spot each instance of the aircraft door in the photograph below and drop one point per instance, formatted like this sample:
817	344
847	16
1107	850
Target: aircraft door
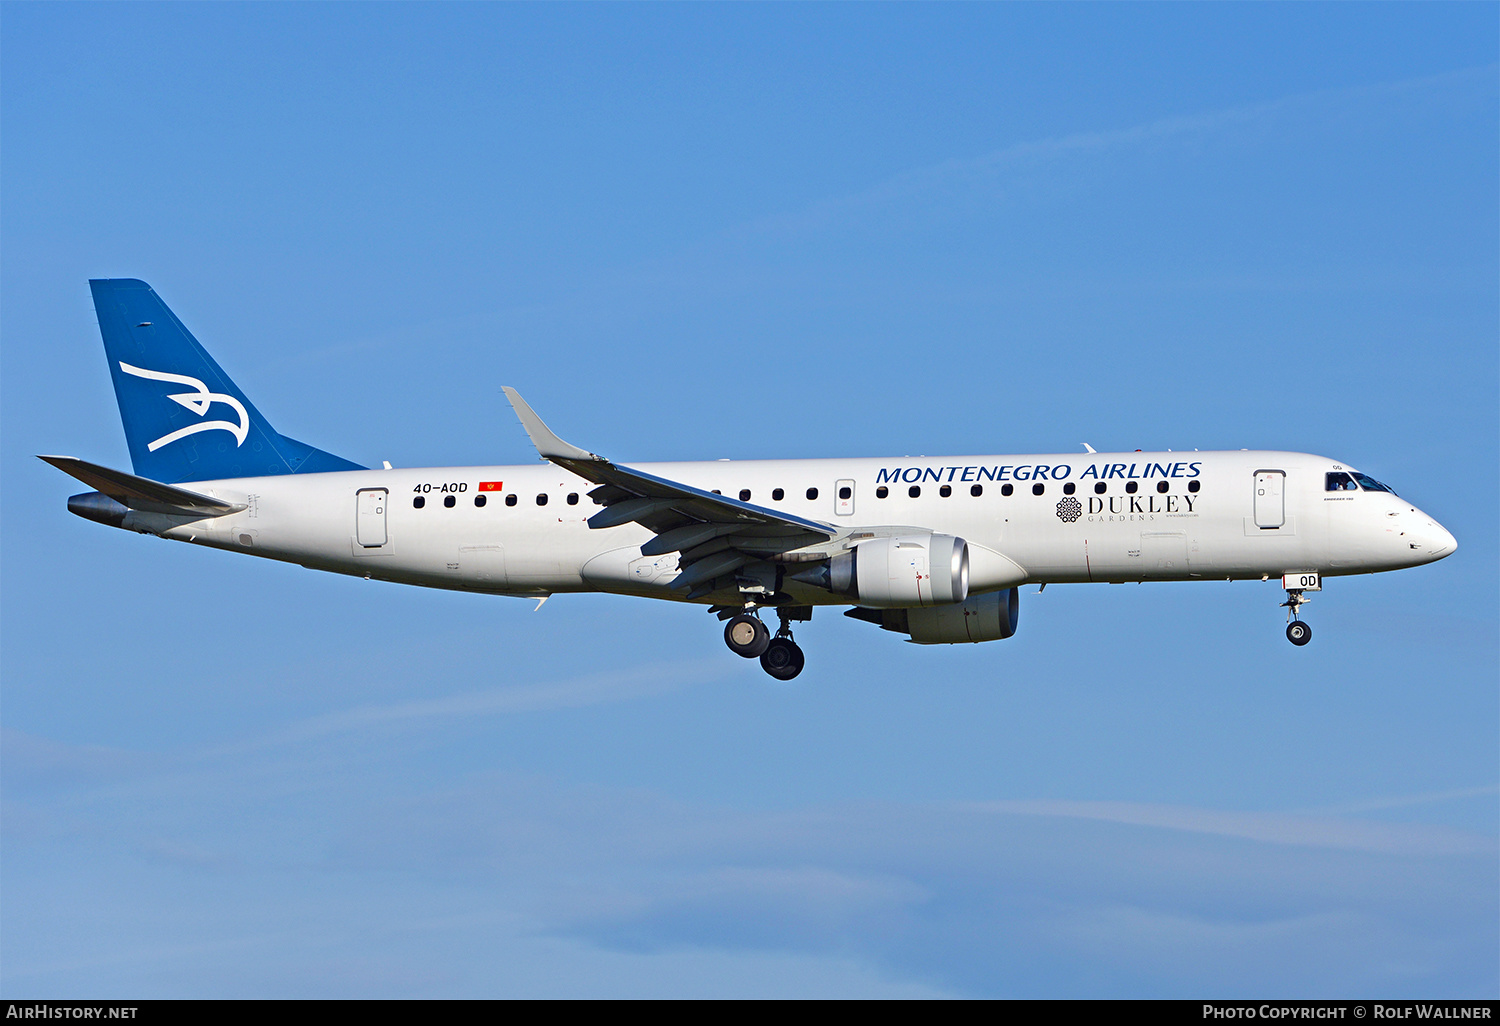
1270	498
844	497
369	520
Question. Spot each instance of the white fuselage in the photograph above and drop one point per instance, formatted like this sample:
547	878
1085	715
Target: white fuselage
1191	516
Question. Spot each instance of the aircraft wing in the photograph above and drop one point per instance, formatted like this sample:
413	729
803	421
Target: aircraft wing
715	535
141	493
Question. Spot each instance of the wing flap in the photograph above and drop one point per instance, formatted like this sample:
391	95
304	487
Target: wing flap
680	539
626	510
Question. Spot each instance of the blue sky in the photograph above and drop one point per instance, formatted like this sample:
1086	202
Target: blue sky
692	232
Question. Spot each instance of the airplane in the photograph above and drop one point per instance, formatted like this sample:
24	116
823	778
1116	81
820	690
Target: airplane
935	549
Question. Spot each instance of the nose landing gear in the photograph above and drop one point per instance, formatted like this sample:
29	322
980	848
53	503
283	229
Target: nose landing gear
1297	632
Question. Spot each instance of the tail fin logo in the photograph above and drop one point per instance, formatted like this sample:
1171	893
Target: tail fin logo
198	401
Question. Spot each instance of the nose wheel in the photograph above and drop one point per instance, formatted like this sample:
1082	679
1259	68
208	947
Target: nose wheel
1297	632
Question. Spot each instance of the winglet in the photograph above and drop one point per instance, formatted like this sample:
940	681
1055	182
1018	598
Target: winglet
548	445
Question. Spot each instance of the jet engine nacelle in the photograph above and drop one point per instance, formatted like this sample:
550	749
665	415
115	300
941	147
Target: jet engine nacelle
910	570
988	617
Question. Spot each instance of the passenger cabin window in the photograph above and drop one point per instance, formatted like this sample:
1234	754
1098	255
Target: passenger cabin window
449	501
1038	489
419	502
1193	486
812	493
976	490
882	492
572	498
1100	487
1338	481
1369	484
1162	486
914	491
945	491
1131	487
1069	488
1007	489
541	499
744	495
777	494
510	500
480	500
846	492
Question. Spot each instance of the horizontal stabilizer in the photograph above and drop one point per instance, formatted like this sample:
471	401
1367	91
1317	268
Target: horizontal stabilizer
142	493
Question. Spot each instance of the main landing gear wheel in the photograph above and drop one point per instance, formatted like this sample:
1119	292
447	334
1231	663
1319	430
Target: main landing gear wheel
1298	633
747	636
782	659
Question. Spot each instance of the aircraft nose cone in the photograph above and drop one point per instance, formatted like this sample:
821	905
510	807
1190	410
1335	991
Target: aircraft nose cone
1440	542
1424	540
1429	539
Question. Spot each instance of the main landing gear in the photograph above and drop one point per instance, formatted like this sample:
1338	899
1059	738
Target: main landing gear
780	656
746	636
1297	632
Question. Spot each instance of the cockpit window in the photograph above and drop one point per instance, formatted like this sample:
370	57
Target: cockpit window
1338	481
1369	484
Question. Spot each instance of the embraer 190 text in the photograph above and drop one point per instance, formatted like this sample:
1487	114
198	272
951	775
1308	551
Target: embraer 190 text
935	549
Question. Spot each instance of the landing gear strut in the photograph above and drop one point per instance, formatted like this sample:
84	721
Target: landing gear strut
783	657
1297	632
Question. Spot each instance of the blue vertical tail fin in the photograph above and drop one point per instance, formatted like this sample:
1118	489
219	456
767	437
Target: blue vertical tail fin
184	419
